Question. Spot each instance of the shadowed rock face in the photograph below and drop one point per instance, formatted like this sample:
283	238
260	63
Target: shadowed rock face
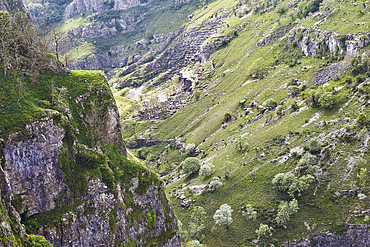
32	167
355	235
78	6
33	184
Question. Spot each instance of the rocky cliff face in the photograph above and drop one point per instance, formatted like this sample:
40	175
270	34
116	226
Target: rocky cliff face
78	6
65	176
354	235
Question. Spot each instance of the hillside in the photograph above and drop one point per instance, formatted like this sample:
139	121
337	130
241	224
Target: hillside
65	179
108	35
286	81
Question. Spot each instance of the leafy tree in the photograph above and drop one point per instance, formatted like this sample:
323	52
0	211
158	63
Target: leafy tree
363	134
190	165
228	167
279	109
214	184
307	159
241	143
361	119
223	215
59	39
190	149
205	170
263	230
270	103
285	211
227	117
315	146
195	227
312	170
363	178
326	100
196	224
249	212
287	182
183	232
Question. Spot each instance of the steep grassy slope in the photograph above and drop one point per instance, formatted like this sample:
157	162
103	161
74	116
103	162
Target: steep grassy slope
273	53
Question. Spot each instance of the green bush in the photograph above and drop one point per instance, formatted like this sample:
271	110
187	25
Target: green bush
249	212
288	183
361	119
227	117
315	146
241	143
263	230
270	103
285	212
326	100
205	170
307	159
190	165
214	184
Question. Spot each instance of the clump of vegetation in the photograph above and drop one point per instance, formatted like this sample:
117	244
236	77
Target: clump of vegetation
263	230
286	209
288	183
205	169
223	216
315	146
190	150
241	143
190	165
195	227
249	212
307	159
270	103
214	184
326	100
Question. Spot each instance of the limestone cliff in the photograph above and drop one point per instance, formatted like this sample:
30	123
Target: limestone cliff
78	6
64	174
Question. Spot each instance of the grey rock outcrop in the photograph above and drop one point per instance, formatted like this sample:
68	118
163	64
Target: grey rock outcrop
356	235
38	186
313	39
78	6
32	167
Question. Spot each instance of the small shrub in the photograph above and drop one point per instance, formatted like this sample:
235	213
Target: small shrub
214	184
285	211
228	167
279	110
223	216
205	170
363	134
361	119
249	212
307	159
270	103
190	165
326	100
315	146
263	230
241	143
227	117
190	149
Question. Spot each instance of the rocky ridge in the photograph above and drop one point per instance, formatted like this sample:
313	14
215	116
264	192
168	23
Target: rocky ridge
40	165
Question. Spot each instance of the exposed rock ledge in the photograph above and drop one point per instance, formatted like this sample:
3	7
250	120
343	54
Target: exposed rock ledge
356	235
